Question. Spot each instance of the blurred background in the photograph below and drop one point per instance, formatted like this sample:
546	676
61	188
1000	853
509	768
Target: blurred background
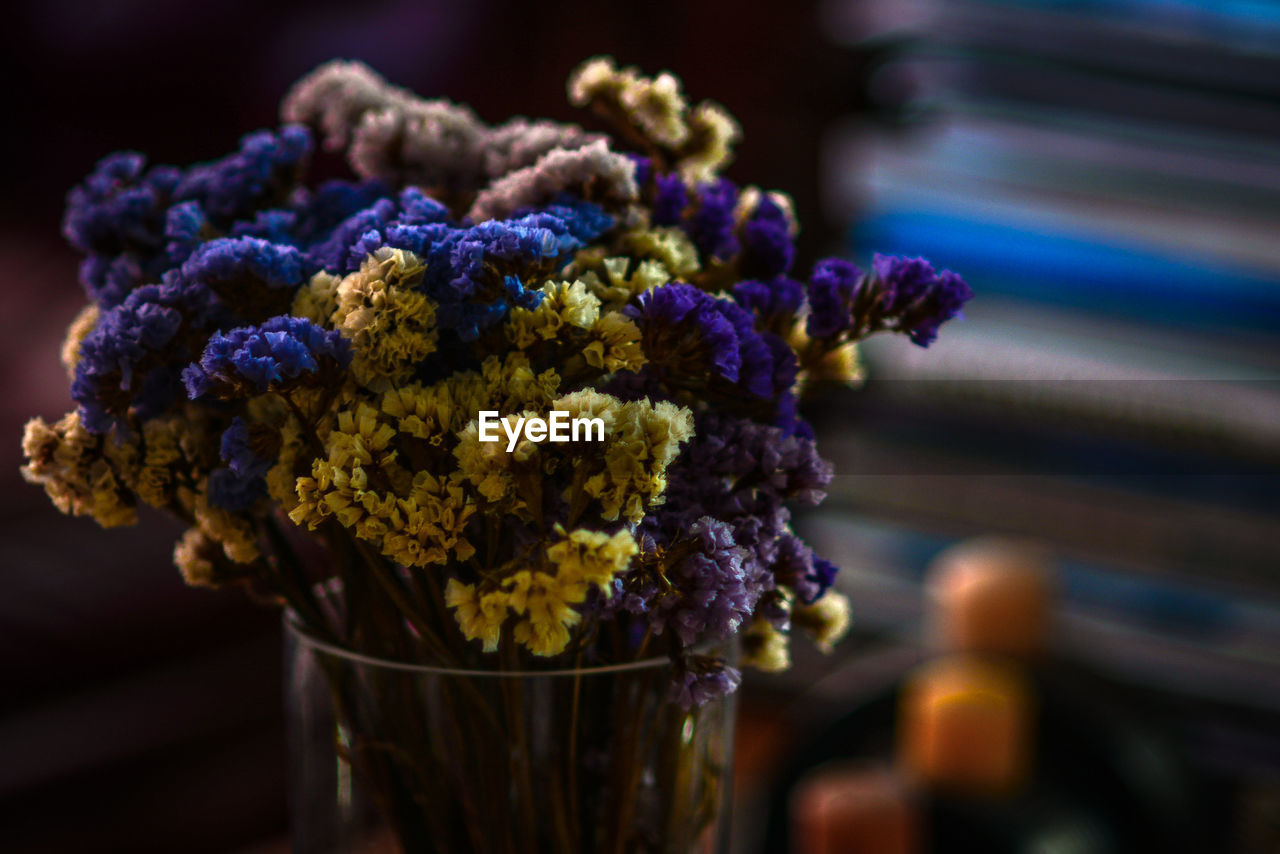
1105	173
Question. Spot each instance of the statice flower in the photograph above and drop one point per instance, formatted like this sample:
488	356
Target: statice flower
320	210
903	295
242	482
799	568
916	298
712	224
670	198
266	168
713	590
768	249
117	218
776	301
271	357
831	290
125	366
250	273
701	679
264	348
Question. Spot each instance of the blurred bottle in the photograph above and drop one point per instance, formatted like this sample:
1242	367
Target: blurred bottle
851	809
989	596
965	725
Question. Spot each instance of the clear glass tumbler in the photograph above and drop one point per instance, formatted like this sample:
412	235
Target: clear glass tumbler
388	757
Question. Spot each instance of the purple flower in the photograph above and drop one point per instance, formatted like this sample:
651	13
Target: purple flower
120	206
263	170
831	291
775	301
767	247
321	210
903	295
685	333
125	362
117	218
276	225
233	264
711	225
700	679
713	590
644	169
270	357
797	567
916	298
333	253
185	227
670	198
239	484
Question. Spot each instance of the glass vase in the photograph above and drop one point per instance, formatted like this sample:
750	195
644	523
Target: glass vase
392	757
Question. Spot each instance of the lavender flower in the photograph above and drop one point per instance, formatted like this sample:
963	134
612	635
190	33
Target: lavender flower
700	679
713	588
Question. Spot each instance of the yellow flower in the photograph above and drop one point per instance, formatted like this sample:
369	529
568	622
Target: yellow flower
564	304
414	519
513	384
539	598
69	462
317	299
655	105
480	617
641	440
583	558
765	648
201	561
668	245
391	324
712	133
235	532
80	328
826	620
615	344
436	412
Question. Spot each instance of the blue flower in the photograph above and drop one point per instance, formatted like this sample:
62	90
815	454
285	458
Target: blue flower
263	170
271	357
125	365
241	482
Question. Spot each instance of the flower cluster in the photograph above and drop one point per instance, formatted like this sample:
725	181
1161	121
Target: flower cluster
271	359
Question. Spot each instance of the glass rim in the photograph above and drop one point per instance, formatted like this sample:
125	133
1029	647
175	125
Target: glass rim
293	625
